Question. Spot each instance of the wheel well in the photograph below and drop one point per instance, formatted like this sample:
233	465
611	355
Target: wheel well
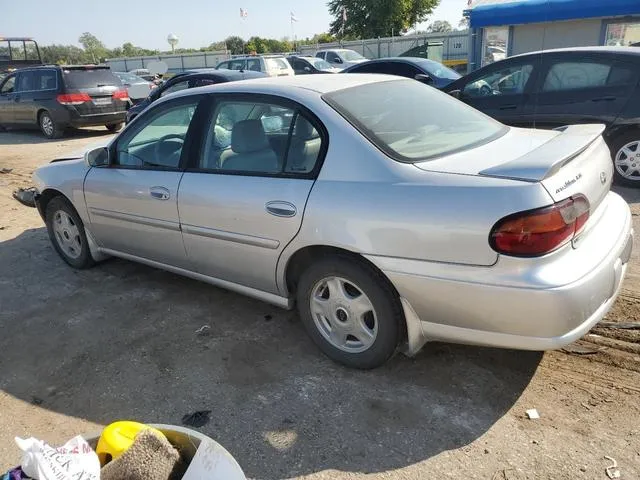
304	257
616	133
40	112
44	198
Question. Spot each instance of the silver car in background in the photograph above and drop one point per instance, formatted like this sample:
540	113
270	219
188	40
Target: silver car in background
390	213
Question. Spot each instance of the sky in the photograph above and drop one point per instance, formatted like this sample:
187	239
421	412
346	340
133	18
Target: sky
197	23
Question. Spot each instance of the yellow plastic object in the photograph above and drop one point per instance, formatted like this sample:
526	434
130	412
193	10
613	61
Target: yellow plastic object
117	438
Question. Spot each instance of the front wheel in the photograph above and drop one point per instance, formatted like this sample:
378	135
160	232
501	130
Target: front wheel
350	311
66	232
625	151
114	127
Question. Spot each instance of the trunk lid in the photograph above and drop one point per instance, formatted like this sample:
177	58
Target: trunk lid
568	161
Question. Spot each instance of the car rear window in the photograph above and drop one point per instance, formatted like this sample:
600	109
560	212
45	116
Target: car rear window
90	78
412	122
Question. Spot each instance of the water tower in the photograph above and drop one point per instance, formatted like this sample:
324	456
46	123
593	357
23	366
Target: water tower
173	41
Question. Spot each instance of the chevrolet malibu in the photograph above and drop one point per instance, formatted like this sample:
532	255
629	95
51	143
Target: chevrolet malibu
388	212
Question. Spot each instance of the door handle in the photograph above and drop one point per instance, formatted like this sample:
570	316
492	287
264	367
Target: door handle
160	193
281	209
603	99
508	107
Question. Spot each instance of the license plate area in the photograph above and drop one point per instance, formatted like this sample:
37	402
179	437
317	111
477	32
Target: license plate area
102	101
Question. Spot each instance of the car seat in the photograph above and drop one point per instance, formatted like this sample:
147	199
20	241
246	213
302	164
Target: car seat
305	147
250	149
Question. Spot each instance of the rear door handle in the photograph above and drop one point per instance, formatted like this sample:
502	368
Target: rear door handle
508	107
281	209
603	99
160	193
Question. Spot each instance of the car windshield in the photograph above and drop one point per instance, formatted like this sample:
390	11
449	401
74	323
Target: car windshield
438	70
319	63
350	55
89	78
411	121
129	77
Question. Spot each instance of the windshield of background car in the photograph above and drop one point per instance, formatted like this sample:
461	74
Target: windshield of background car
77	79
438	70
130	78
350	55
411	121
319	63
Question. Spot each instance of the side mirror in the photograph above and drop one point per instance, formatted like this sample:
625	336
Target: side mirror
98	157
455	93
424	78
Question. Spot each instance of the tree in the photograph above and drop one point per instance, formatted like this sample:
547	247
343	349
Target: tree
63	54
234	44
377	18
129	50
439	26
463	24
94	47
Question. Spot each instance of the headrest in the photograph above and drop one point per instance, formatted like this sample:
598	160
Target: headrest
248	136
304	129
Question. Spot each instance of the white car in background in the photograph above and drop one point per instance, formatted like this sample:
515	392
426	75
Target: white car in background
271	65
341	57
137	87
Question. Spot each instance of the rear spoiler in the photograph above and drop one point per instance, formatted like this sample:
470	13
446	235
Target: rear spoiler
551	156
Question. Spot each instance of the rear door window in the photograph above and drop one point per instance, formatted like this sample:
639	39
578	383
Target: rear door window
90	78
586	74
44	80
254	65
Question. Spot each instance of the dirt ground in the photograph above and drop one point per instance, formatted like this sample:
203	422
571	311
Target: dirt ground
81	349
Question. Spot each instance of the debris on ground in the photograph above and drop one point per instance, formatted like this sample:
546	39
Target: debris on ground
579	349
6	170
26	196
196	419
533	414
203	331
612	471
622	325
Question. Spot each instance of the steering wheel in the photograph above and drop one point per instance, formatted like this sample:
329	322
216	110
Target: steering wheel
485	90
157	150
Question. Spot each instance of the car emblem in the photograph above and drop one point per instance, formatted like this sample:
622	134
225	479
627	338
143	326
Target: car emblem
603	178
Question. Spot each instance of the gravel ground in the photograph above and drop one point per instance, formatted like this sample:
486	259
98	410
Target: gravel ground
81	349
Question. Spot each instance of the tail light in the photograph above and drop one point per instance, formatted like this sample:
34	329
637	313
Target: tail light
537	232
121	95
73	98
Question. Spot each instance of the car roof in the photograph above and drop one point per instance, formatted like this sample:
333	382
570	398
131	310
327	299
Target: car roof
320	84
616	50
222	72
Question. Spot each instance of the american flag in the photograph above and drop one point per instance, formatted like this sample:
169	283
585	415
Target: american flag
243	13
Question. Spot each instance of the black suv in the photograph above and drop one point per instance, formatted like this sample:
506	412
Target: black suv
554	88
54	98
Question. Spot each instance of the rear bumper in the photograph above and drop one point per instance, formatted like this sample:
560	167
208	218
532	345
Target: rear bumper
528	304
97	119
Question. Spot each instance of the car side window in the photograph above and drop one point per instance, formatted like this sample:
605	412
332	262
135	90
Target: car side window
260	138
585	74
320	55
158	139
253	64
504	81
236	64
9	86
24	82
176	87
44	80
332	57
223	65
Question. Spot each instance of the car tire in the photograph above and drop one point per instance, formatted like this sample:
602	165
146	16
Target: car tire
67	234
114	127
625	153
350	311
49	127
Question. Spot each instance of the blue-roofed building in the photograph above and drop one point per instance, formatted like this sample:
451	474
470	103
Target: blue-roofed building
501	28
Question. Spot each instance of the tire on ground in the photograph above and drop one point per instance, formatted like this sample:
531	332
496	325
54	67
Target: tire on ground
385	301
48	126
631	137
58	205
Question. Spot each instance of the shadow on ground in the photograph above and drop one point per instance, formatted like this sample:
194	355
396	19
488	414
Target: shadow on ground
32	136
118	341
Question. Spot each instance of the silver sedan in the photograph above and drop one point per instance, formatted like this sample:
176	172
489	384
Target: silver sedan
389	213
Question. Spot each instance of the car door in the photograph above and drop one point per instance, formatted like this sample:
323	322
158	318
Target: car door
133	203
7	97
580	88
23	98
242	200
37	88
502	90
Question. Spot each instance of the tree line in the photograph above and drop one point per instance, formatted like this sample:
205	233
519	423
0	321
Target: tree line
352	20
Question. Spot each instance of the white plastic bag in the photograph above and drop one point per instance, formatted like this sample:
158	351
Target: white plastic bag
75	460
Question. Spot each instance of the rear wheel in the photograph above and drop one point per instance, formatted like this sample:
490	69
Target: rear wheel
625	151
114	127
49	127
350	311
66	232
